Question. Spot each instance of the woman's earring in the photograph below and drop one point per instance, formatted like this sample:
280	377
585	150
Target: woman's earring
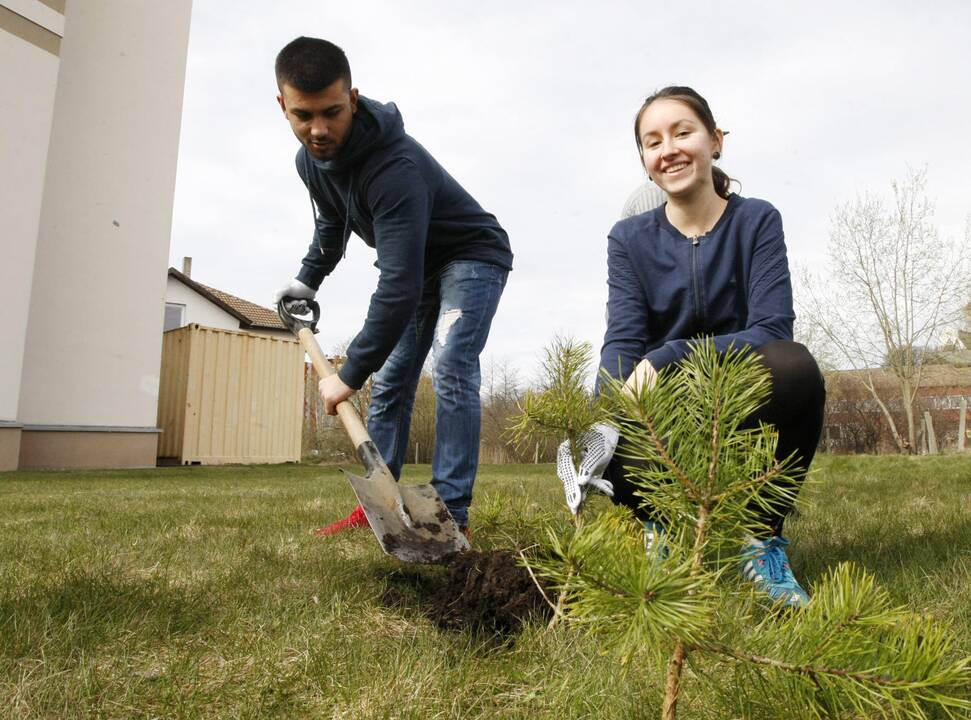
716	155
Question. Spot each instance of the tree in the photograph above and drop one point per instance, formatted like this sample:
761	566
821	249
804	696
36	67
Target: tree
892	285
501	395
324	435
851	653
562	407
421	436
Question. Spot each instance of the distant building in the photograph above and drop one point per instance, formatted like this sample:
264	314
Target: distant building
854	421
188	301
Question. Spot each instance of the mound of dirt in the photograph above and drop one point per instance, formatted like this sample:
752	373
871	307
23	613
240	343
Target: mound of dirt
476	591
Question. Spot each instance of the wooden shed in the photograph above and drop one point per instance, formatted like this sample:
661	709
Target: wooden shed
229	397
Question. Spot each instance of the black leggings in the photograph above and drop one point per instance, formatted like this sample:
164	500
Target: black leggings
795	408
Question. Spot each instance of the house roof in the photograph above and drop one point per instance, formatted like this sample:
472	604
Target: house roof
250	315
932	376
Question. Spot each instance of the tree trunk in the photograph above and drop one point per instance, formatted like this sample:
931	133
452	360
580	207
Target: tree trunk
906	398
888	417
672	688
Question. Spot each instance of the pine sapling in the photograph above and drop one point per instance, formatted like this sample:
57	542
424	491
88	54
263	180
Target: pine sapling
562	407
707	477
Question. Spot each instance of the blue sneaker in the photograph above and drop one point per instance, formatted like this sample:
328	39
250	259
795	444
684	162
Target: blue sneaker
765	564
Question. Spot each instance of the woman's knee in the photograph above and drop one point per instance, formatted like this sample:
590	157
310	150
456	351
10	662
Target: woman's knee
790	360
796	379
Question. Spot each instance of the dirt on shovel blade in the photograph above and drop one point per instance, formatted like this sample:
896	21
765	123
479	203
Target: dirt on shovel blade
477	591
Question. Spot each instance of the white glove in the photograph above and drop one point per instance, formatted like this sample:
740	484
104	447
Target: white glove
296	290
568	476
597	446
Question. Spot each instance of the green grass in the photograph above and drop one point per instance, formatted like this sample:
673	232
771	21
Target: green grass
198	592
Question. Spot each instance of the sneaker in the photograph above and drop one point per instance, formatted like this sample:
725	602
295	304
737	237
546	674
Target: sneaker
766	564
357	520
468	533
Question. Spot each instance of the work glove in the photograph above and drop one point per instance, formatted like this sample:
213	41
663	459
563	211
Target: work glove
298	291
597	447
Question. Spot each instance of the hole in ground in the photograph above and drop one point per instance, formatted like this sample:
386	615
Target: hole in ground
475	591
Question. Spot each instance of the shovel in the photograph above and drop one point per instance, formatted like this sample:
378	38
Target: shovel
410	522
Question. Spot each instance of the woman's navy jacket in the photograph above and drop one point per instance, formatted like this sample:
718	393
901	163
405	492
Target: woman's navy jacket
666	289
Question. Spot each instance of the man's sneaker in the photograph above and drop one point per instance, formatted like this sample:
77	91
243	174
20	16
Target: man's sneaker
465	531
357	520
765	564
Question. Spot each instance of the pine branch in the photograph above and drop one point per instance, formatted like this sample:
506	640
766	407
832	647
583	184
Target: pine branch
812	671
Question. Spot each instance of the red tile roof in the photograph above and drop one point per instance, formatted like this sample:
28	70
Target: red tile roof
250	315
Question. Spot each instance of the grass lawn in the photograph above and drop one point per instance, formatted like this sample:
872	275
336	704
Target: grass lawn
199	592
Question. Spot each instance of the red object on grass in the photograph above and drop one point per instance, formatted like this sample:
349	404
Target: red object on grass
357	520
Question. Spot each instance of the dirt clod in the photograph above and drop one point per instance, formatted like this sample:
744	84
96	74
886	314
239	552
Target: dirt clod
477	591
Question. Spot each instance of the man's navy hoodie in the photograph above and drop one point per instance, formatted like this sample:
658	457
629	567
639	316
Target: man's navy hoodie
666	289
389	190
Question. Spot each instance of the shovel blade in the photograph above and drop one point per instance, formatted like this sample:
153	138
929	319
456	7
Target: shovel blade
410	522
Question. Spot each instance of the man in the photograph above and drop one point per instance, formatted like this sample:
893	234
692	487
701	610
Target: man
645	198
442	259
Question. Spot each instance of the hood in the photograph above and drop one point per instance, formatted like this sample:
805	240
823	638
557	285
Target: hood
375	125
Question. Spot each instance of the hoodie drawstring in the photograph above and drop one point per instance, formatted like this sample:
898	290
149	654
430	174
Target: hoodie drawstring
314	210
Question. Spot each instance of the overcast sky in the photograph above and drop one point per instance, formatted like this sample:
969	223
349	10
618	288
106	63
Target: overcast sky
530	105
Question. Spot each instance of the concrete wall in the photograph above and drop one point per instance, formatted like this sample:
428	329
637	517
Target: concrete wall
94	329
30	37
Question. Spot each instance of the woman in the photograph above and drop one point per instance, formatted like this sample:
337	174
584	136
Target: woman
708	263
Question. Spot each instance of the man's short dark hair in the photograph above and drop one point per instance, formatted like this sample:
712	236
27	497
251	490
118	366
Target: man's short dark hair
311	64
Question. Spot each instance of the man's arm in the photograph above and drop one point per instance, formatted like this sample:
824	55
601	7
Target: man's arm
400	200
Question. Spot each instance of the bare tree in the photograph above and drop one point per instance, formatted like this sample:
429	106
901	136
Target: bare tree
964	331
421	437
892	285
502	390
811	335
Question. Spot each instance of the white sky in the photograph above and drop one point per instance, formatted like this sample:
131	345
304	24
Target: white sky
529	105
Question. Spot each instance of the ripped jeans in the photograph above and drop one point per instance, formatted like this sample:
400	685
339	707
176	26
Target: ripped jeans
453	320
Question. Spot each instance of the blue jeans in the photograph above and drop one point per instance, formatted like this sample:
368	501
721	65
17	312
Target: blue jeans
452	320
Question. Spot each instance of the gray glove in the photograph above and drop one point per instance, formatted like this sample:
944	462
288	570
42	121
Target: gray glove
597	446
296	290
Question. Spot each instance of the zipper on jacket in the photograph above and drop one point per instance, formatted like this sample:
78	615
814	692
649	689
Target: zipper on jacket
699	315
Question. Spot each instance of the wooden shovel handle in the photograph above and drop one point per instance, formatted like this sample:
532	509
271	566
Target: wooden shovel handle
348	415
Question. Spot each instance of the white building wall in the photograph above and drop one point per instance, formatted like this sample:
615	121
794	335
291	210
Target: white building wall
27	85
94	332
